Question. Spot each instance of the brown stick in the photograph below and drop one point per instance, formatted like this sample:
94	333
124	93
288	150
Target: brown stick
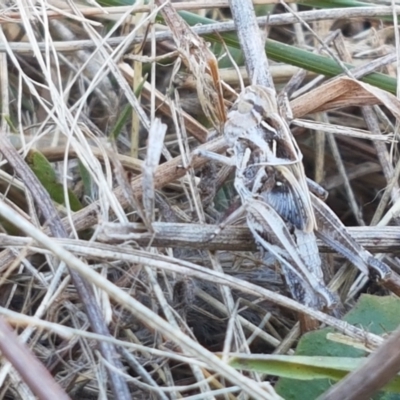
32	371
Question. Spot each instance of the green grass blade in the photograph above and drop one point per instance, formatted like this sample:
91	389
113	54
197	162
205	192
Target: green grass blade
298	367
335	3
292	55
126	113
304	367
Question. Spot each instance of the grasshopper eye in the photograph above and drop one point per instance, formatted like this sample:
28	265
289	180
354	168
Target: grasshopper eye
244	107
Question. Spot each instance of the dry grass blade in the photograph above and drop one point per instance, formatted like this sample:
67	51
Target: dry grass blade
200	61
154	148
343	130
57	229
342	92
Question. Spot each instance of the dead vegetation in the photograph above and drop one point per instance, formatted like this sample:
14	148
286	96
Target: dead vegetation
130	267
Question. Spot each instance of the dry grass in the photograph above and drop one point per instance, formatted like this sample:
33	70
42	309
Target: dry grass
170	292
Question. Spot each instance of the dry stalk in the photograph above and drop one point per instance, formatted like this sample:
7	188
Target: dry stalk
282	19
231	238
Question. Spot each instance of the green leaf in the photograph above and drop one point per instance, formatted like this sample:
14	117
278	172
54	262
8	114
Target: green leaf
10	124
116	3
298	367
121	121
48	178
379	315
86	179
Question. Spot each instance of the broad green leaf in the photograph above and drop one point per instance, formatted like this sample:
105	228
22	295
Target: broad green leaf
379	315
48	178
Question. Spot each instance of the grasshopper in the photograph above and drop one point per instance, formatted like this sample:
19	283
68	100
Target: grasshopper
280	211
271	183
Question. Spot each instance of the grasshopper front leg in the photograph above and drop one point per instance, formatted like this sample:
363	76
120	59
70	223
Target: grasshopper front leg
230	161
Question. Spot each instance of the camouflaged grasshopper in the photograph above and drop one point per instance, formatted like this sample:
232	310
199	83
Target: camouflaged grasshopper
271	183
280	211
